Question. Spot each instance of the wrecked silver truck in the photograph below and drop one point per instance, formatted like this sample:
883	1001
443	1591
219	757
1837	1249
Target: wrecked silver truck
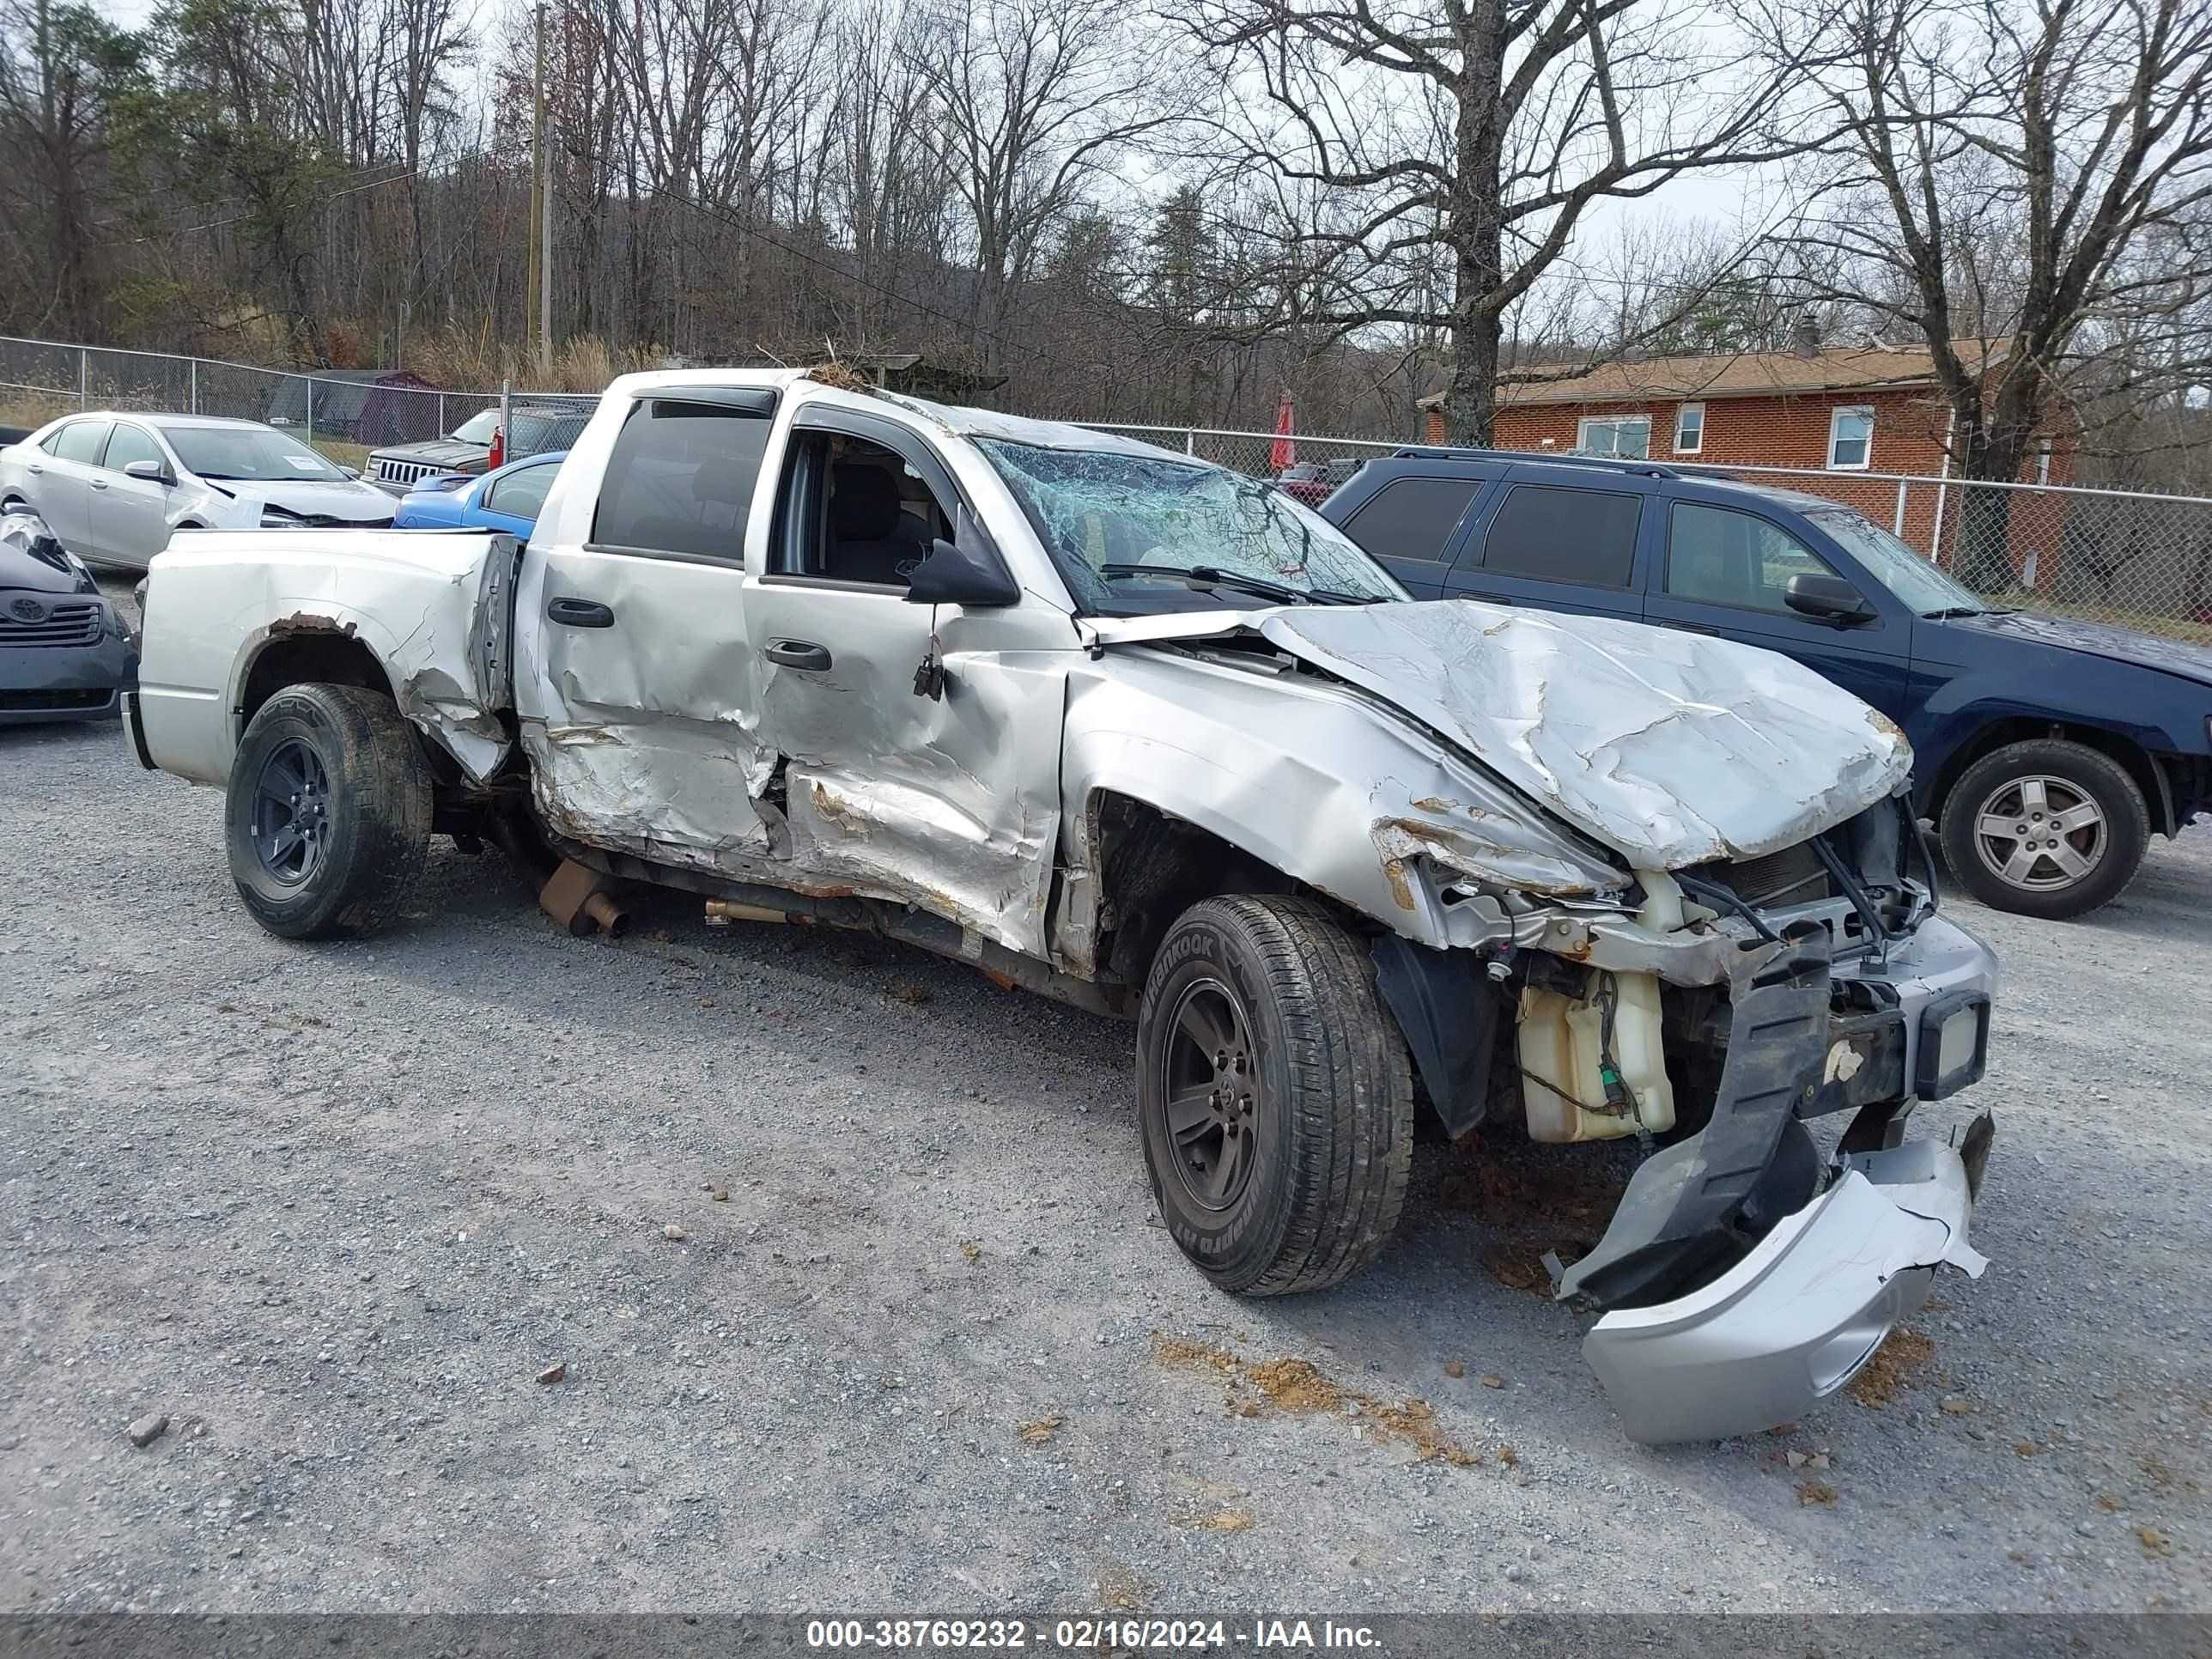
1136	732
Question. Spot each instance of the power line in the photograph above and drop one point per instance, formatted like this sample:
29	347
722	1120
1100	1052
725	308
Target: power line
240	218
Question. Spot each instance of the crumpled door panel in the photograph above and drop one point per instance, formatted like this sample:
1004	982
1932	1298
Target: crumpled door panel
638	731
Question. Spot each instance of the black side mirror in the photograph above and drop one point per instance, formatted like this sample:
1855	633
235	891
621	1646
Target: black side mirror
1828	599
966	570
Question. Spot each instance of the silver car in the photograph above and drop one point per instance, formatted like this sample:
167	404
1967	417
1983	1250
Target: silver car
112	487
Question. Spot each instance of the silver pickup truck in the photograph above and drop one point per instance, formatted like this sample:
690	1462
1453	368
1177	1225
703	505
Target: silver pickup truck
1142	733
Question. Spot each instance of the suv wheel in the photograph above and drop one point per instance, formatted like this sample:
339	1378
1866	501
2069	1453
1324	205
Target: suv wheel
2046	828
327	819
1274	1094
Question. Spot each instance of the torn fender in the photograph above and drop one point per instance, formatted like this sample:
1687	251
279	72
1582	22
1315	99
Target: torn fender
435	611
1314	780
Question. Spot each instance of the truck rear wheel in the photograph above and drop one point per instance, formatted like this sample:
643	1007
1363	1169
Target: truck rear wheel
327	820
2045	828
1275	1095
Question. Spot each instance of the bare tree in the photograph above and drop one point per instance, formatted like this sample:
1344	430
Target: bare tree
61	67
2023	185
1480	129
1031	102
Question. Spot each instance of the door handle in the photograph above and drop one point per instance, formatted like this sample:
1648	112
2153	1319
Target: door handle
38	471
799	653
99	483
579	613
1693	628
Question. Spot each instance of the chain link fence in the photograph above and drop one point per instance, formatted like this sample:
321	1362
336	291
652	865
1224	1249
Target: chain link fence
346	414
2141	561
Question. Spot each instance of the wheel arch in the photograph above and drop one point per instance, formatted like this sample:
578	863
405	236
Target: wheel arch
2125	752
1152	865
327	654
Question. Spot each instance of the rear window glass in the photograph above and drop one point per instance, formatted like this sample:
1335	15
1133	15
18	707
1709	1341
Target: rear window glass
681	478
80	441
1411	518
1585	536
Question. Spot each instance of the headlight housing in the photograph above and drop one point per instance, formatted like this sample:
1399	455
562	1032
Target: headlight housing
274	517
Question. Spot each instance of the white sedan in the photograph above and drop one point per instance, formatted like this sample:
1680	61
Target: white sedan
112	487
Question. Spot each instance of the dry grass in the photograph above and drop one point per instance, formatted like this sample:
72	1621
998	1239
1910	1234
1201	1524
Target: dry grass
1810	1493
1299	1388
1222	1520
1038	1430
1892	1368
476	362
35	409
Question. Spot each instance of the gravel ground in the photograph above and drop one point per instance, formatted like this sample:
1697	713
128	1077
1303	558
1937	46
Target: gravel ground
851	1261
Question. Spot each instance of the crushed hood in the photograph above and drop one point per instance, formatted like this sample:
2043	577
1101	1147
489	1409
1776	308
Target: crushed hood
1671	748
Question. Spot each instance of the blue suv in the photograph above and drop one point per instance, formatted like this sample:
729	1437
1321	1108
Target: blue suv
2048	750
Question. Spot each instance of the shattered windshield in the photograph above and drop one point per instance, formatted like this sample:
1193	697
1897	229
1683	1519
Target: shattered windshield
1117	523
1914	580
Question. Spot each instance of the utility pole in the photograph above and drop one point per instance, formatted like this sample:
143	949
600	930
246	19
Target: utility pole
540	287
544	216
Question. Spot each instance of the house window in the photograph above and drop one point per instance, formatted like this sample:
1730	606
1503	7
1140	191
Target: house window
1689	429
1850	438
1628	437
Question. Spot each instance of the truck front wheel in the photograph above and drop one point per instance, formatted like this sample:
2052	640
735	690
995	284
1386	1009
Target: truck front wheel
1275	1095
328	816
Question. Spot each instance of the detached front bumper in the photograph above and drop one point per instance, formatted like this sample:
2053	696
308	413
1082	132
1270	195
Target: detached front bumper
1796	1320
1766	1334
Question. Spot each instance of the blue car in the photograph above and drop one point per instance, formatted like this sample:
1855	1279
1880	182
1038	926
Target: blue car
2048	750
506	500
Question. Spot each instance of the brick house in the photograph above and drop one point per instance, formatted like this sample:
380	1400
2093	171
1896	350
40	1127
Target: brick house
1837	413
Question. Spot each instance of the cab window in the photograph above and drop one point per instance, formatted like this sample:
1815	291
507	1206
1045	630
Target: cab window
680	478
854	510
1715	555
